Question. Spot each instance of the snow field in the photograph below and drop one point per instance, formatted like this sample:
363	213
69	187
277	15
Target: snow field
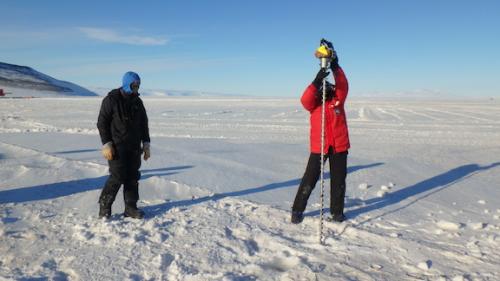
218	189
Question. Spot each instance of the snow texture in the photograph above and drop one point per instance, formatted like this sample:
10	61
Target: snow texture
218	189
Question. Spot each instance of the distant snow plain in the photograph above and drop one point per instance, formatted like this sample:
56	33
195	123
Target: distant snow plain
423	193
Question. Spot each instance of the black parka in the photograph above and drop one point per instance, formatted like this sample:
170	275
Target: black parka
123	120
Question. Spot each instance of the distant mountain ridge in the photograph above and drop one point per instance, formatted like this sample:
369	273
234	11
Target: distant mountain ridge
102	91
25	81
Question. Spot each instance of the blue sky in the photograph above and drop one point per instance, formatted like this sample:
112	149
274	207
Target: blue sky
262	48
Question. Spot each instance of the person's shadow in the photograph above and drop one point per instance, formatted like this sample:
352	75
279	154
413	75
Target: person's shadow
163	172
50	191
426	188
76	151
155	210
61	189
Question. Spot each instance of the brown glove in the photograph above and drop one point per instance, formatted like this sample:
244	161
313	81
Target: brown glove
147	150
108	151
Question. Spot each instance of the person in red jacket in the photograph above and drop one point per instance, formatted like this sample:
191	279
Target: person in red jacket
336	141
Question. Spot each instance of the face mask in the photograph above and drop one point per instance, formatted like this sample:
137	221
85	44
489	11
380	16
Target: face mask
135	87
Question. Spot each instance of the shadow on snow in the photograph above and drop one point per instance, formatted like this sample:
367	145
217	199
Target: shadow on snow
428	186
76	151
60	189
155	210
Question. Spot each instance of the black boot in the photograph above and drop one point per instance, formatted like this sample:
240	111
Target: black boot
336	218
132	211
297	217
105	202
131	196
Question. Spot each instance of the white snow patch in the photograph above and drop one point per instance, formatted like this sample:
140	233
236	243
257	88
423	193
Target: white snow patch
376	266
478	225
363	186
385	188
425	265
447	225
381	193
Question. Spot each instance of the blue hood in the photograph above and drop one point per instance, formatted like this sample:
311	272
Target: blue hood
129	78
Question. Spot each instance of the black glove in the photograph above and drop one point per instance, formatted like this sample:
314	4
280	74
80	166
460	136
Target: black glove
327	43
318	81
334	63
330	92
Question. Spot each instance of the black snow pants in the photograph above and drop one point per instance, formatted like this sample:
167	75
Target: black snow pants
123	169
338	173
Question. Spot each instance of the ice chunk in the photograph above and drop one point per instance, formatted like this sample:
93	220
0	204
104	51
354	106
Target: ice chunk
385	188
446	225
363	186
425	265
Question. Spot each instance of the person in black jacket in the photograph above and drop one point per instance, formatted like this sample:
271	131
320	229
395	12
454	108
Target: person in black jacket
123	128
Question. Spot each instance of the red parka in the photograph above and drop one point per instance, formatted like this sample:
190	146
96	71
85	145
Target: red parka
336	132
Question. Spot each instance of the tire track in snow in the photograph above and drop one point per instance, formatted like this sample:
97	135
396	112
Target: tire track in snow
16	124
421	114
466	116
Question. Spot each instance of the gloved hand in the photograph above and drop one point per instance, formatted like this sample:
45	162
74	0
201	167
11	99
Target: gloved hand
147	151
334	63
318	81
330	92
108	151
327	43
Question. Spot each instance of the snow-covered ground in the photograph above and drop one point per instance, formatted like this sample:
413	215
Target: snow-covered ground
423	194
